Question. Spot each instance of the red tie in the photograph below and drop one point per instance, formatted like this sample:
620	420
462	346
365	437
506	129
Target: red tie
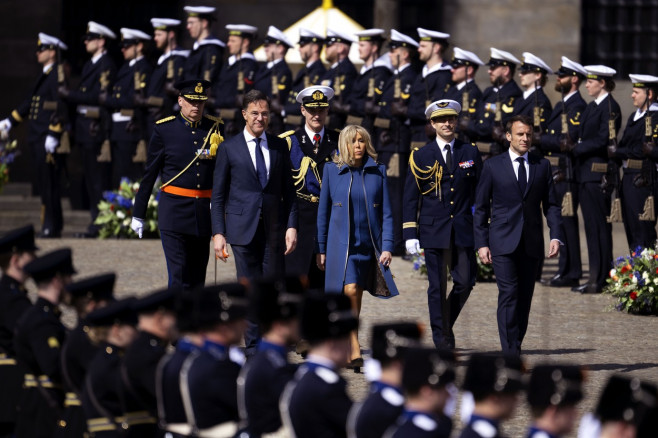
316	143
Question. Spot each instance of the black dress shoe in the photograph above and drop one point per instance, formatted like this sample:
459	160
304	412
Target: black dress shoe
547	281
587	288
408	257
49	234
580	288
563	282
87	235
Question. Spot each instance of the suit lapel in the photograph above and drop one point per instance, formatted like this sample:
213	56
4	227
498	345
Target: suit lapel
508	168
243	150
532	167
274	154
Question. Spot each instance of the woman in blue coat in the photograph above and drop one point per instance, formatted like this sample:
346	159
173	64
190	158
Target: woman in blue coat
355	224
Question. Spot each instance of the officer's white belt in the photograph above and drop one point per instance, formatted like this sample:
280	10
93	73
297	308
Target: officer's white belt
119	118
84	109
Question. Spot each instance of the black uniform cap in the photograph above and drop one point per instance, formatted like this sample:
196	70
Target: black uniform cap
164	299
18	240
493	373
327	316
221	303
389	340
427	366
193	89
49	265
555	385
626	399
98	287
118	312
276	299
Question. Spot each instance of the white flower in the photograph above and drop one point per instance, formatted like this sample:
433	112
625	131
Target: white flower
651	289
613	272
655	281
135	186
126	222
634	279
645	275
121	214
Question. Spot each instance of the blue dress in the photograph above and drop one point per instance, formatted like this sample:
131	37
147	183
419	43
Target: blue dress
361	252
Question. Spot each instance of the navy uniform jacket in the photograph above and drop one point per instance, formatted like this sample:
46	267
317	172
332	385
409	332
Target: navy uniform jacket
172	147
96	78
513	214
340	77
170	402
427	88
397	137
263	80
438	217
550	139
470	93
307	76
122	98
238	200
418	424
260	385
308	189
593	138
205	60
317	403
376	75
43	108
526	107
480	126
168	69
479	427
630	145
378	412
226	89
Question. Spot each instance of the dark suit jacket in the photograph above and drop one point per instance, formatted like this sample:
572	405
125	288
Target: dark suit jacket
238	200
513	214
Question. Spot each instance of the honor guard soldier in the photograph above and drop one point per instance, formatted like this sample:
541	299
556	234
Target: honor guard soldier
310	149
553	395
637	185
161	95
427	374
497	105
38	339
599	125
431	85
182	152
17	249
316	402
275	305
392	135
310	49
564	124
495	381
237	77
385	402
437	216
341	74
92	126
112	328
209	376
78	350
205	60
275	78
156	322
465	65
128	132
48	117
369	84
534	103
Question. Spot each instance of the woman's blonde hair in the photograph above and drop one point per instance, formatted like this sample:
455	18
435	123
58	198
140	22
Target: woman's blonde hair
345	140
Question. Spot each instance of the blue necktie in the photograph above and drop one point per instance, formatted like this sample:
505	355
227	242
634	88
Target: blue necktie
261	169
523	175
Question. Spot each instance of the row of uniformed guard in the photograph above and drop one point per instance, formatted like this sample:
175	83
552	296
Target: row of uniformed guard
117	373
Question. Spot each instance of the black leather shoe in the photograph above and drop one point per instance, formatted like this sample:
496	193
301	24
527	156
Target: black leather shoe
587	288
86	235
580	288
563	282
49	234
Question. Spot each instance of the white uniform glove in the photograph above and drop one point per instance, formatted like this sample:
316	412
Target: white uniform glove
137	226
5	125
51	144
413	246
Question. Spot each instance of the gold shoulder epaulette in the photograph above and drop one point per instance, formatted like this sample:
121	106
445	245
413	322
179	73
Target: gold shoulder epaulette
213	118
287	134
417	149
166	119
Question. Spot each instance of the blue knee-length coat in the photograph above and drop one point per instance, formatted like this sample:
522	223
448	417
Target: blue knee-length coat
334	216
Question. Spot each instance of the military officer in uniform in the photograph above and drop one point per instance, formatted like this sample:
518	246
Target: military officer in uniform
392	135
78	350
47	116
437	216
237	77
92	123
495	381
113	329
128	132
639	173
316	402
385	402
563	124
553	395
591	154
497	104
534	103
275	78
310	149
465	65
275	305
182	152
17	249
310	49
160	98
427	374
156	322
38	339
341	74
205	59
431	85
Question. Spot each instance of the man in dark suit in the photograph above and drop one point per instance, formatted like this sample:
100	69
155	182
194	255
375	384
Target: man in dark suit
253	199
441	184
513	189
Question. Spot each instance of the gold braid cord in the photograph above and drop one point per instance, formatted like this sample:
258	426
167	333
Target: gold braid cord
434	173
299	175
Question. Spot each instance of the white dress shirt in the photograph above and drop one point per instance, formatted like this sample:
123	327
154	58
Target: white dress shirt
515	164
312	133
442	147
251	145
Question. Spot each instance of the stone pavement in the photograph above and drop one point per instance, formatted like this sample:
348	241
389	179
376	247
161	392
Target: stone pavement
564	326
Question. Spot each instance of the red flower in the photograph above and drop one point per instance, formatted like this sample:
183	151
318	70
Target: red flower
111	207
625	268
633	295
625	284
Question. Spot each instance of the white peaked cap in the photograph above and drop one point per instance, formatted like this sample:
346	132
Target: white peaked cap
133	34
48	40
402	38
465	55
105	31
